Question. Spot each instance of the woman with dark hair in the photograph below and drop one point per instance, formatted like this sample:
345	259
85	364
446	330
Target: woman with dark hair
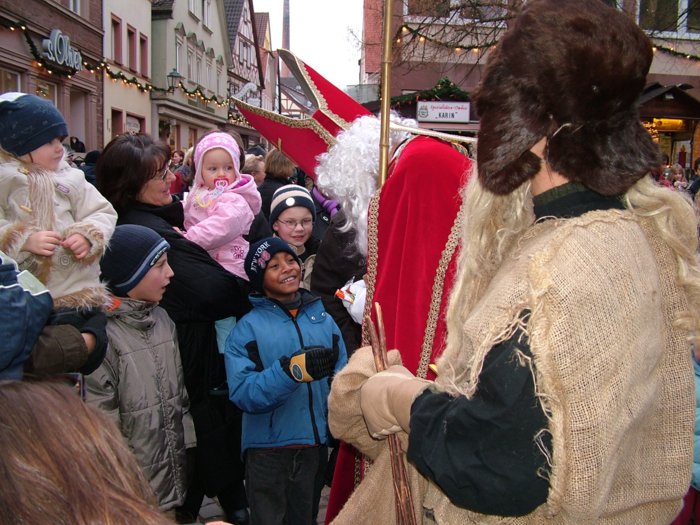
133	174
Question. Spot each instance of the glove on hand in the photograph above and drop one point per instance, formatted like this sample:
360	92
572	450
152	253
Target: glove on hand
312	363
386	399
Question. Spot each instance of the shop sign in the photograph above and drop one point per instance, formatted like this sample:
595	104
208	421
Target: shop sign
58	50
436	111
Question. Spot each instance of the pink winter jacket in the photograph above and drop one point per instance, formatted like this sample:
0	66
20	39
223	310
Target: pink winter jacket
220	226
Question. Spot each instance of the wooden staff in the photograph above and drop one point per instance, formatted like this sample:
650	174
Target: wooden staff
403	500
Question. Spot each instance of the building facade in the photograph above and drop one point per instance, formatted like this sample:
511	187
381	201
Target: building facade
53	48
189	43
443	40
127	69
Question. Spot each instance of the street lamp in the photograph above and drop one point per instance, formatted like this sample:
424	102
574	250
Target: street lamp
173	80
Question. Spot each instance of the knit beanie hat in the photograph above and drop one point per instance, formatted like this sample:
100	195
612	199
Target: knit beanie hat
131	253
27	122
212	141
290	196
260	254
571	71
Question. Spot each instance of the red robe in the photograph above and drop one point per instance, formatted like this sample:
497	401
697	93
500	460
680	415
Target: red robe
418	206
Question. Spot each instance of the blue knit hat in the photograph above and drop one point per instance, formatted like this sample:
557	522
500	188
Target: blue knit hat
260	254
27	122
132	252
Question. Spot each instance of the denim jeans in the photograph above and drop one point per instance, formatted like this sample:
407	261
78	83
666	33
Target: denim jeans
280	484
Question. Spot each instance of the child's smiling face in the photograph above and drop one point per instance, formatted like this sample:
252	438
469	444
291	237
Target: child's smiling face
282	277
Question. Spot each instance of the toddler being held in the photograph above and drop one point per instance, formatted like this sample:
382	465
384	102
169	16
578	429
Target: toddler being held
52	221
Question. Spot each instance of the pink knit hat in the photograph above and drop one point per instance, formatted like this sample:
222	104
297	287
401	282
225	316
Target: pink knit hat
212	141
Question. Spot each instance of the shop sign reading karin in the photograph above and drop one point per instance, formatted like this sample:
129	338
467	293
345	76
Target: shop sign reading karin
57	49
436	111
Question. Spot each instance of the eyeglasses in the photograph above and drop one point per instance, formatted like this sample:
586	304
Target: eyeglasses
304	223
162	174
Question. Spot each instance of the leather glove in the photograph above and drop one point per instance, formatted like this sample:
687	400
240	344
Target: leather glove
311	363
386	399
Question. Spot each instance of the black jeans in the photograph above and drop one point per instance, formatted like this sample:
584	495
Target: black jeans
280	484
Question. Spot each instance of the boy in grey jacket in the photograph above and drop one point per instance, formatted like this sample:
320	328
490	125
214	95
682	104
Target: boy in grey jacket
140	382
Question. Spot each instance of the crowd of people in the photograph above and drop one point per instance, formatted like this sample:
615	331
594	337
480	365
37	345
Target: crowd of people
189	323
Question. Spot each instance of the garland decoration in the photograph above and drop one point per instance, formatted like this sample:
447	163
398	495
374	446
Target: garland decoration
445	89
114	75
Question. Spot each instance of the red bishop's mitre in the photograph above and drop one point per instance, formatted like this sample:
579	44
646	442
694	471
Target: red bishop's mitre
302	140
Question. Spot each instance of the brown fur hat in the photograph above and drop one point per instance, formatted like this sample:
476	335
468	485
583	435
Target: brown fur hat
571	71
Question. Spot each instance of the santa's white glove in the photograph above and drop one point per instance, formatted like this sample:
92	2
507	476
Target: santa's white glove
386	399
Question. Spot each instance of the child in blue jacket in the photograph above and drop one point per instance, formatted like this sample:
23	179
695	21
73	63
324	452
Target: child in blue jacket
279	360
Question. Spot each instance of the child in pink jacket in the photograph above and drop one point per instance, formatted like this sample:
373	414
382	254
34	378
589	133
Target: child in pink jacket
220	207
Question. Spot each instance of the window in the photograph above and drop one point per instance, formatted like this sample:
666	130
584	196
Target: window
131	45
198	71
9	81
694	16
47	90
117	122
209	79
192	6
191	137
116	40
658	15
134	124
218	79
190	59
143	52
74	5
240	51
439	8
206	4
484	11
178	55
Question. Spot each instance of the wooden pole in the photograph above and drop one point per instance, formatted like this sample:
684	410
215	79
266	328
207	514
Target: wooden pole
403	501
385	95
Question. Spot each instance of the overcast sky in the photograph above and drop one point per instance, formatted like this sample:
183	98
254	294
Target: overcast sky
321	35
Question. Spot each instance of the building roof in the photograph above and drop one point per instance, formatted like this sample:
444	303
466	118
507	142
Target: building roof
233	9
262	23
671	101
162	8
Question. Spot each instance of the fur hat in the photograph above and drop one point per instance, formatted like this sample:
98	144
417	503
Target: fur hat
290	196
212	141
571	71
27	122
132	252
260	254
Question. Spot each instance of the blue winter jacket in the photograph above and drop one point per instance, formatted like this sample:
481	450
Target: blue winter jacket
278	411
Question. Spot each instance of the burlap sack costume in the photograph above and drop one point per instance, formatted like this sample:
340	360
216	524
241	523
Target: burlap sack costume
604	299
617	394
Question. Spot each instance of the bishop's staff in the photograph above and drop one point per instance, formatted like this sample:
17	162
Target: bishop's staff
403	500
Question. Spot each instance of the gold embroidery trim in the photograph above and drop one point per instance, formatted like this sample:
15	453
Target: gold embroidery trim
372	258
306	123
436	297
